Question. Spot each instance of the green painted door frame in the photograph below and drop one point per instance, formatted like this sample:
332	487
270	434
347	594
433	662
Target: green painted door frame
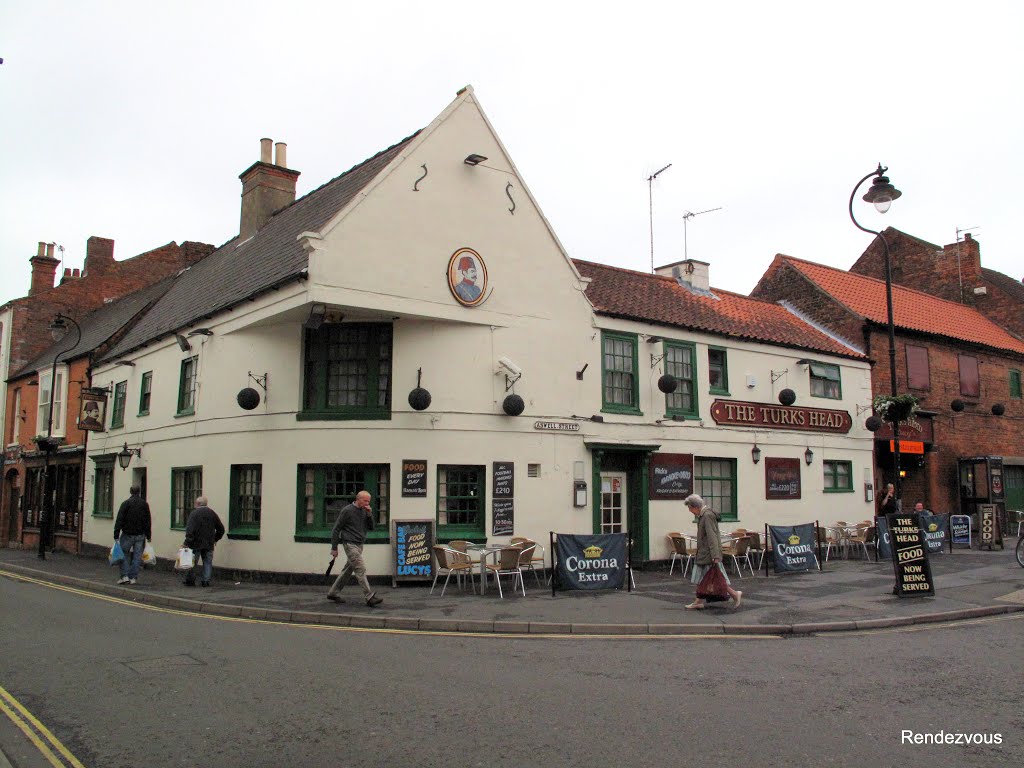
635	461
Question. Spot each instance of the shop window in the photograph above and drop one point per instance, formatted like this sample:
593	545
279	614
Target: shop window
187	386
67	496
117	413
325	489
620	386
970	376
681	362
838	476
825	381
718	371
348	371
186	487
918	373
246	500
461	507
32	499
145	393
714	480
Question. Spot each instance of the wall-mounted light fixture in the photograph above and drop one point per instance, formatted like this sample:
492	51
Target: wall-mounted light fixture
124	362
804	361
654	339
183	343
200	332
676	418
755	453
595	418
579	373
474	159
808	456
124	458
317	314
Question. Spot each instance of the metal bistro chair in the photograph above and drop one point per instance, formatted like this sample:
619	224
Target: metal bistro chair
737	550
755	548
535	558
863	537
452	561
827	538
679	552
508	565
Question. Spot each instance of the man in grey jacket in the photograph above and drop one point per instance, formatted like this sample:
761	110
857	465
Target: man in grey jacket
351	527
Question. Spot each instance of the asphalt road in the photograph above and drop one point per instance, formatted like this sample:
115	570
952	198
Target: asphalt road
122	685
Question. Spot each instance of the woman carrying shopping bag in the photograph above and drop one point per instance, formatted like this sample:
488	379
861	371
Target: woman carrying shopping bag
709	554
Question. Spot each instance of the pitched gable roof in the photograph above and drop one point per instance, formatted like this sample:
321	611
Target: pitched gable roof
242	270
912	310
659	299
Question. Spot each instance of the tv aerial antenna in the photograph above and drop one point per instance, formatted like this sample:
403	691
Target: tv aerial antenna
686	218
650	206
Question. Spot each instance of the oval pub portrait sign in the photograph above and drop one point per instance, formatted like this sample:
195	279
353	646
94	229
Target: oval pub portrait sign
467	277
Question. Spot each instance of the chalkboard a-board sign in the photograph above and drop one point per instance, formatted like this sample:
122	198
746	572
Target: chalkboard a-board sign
670	476
502	517
503	480
781	478
990	532
414	477
412	542
910	557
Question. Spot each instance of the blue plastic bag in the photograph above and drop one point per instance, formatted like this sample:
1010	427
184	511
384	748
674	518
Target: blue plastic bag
116	555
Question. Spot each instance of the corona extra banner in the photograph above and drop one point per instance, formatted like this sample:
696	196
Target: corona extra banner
591	562
936	531
793	547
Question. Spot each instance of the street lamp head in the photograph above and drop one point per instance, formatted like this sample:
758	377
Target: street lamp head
882	193
58	328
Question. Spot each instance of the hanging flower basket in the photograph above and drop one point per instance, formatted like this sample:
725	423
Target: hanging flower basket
896	408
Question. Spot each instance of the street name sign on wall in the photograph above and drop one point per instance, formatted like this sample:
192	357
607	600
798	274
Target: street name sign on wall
412	544
910	556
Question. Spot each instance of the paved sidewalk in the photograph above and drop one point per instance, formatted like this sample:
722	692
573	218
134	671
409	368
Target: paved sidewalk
847	595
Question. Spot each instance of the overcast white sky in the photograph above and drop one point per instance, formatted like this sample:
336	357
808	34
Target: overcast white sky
132	120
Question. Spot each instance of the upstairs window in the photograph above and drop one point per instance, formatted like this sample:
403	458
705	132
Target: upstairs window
970	376
187	386
57	391
680	361
348	371
1015	391
825	381
620	387
718	371
145	393
117	413
918	373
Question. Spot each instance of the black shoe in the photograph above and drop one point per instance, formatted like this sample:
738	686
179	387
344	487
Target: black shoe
335	599
204	583
188	583
373	601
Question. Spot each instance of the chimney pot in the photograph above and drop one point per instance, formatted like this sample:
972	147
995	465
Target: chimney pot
280	154
967	236
265	150
67	271
49	250
41	250
76	272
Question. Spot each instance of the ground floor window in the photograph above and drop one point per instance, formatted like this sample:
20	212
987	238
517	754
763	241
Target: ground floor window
186	487
838	476
32	499
103	490
325	489
714	480
246	499
67	496
461	507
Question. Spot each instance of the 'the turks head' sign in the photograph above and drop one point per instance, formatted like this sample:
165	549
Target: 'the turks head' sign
767	416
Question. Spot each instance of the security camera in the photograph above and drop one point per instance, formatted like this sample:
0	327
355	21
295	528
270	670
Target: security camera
509	366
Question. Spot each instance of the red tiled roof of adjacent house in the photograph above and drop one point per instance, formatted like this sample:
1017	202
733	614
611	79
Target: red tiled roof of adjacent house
912	310
659	299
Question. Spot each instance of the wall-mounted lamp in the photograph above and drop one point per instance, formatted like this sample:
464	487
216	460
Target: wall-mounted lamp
596	418
124	458
579	373
676	418
804	361
124	362
654	339
317	314
200	332
808	456
183	343
755	454
474	159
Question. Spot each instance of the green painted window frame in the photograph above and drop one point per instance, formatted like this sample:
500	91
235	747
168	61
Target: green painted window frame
834	471
245	507
186	487
461	485
187	386
1015	384
117	412
613	379
714	486
820	378
340	354
322	490
145	393
723	371
103	488
680	356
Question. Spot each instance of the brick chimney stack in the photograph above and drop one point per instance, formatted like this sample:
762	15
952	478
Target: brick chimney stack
267	187
44	268
99	255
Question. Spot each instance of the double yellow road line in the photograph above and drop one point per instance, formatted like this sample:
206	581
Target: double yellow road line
41	737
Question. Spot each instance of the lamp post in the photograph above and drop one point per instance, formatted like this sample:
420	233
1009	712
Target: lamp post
881	194
58	329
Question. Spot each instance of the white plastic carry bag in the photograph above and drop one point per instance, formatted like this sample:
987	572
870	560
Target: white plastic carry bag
184	561
149	555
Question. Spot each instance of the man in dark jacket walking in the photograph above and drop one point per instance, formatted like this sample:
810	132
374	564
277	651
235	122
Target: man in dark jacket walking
203	531
353	523
132	528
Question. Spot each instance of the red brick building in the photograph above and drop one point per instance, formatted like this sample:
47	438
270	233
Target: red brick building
945	351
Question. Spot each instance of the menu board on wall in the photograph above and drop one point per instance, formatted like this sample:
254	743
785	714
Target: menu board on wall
781	478
502	517
413	542
910	556
670	476
502	493
414	478
503	483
